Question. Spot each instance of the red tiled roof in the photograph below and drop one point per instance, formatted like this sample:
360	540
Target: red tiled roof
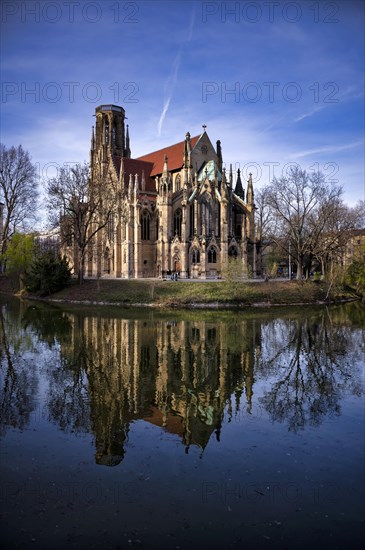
173	423
135	166
174	154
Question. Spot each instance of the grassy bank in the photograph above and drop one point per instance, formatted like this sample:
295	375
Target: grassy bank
199	294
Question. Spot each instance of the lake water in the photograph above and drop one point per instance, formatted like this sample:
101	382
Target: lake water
124	428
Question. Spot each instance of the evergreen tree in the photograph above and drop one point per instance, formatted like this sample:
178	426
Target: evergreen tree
47	274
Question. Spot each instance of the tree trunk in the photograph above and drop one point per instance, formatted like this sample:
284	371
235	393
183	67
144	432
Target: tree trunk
299	269
81	268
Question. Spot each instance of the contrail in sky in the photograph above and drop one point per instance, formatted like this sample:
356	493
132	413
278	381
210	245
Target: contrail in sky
171	81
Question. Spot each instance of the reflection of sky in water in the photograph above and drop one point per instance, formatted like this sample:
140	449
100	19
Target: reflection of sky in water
221	429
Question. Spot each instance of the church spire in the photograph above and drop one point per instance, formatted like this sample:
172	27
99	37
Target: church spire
165	171
187	141
130	185
219	155
224	184
93	139
249	194
187	150
92	148
239	191
127	144
136	184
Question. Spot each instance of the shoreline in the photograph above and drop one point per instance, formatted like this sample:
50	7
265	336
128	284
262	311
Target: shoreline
157	294
182	306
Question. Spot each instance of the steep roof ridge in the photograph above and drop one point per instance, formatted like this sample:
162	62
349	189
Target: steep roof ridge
173	152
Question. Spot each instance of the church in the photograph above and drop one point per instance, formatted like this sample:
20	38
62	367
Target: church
181	212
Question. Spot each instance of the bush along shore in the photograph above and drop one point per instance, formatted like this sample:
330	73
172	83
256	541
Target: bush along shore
194	294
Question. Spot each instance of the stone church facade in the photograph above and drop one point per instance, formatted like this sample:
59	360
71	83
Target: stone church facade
180	211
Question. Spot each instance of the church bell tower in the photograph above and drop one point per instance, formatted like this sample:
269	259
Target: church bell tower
110	137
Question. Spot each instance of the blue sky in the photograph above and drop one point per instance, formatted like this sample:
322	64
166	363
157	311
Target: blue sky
277	82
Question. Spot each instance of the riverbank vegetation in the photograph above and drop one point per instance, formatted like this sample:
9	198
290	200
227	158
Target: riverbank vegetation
157	293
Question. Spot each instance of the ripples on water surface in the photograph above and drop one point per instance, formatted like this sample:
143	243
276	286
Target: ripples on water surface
181	430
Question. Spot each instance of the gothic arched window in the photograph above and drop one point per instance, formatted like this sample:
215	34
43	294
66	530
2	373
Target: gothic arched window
114	135
145	226
177	222
195	256
110	228
212	255
178	182
232	252
206	214
107	261
191	219
157	226
106	132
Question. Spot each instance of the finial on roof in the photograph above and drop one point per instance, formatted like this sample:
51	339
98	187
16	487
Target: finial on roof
239	191
249	193
165	166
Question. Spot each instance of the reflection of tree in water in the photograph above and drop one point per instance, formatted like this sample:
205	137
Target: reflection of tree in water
313	362
18	383
67	399
51	324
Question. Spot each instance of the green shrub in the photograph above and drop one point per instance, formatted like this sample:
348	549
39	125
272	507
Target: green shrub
47	274
356	275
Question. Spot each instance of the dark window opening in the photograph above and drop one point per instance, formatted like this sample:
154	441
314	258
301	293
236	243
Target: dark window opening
145	226
195	256
178	183
110	228
212	256
177	222
191	220
106	132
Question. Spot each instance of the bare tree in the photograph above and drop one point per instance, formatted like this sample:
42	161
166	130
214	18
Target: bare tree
18	194
84	204
302	204
358	215
330	237
265	222
264	216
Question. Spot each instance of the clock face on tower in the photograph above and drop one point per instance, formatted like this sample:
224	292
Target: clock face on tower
204	149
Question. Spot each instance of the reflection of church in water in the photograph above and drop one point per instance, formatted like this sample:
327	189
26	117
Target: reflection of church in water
179	376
